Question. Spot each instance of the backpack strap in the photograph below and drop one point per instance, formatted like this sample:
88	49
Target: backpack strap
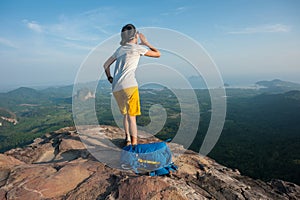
171	167
165	170
159	172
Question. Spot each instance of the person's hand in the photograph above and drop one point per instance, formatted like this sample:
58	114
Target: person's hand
143	39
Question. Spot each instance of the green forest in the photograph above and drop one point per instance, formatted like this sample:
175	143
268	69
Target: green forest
260	138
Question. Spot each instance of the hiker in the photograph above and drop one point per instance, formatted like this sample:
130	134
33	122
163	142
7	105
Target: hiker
124	84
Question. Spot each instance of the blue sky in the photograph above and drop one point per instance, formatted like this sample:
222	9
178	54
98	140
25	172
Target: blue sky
44	42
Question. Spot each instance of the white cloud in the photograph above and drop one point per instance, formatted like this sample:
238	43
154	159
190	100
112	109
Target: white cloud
180	9
33	26
176	11
80	31
70	34
7	43
268	28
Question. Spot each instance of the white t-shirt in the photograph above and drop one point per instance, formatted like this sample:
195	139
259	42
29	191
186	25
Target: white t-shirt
128	57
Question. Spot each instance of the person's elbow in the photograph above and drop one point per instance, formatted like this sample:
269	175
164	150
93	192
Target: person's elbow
154	54
106	65
158	54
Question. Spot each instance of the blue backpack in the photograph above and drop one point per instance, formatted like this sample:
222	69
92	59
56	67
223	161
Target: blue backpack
153	158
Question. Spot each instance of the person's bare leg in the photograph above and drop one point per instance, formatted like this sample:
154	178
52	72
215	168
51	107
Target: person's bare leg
126	127
133	129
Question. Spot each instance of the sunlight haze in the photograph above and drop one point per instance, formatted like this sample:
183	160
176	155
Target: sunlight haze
43	43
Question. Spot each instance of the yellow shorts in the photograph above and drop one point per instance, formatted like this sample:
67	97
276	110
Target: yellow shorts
128	101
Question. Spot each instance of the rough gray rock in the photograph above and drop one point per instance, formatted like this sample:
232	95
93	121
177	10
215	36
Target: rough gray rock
58	166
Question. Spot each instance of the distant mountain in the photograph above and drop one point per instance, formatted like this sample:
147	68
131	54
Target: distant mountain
278	86
22	95
100	85
59	94
23	92
294	94
67	91
62	92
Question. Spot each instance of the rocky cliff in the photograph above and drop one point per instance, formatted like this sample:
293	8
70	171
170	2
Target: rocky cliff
58	166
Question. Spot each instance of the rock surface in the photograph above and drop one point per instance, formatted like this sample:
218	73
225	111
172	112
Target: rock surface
60	166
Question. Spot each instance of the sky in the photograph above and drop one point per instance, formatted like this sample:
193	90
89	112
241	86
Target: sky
44	43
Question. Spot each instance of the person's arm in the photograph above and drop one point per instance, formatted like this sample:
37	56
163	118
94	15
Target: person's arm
153	52
107	65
